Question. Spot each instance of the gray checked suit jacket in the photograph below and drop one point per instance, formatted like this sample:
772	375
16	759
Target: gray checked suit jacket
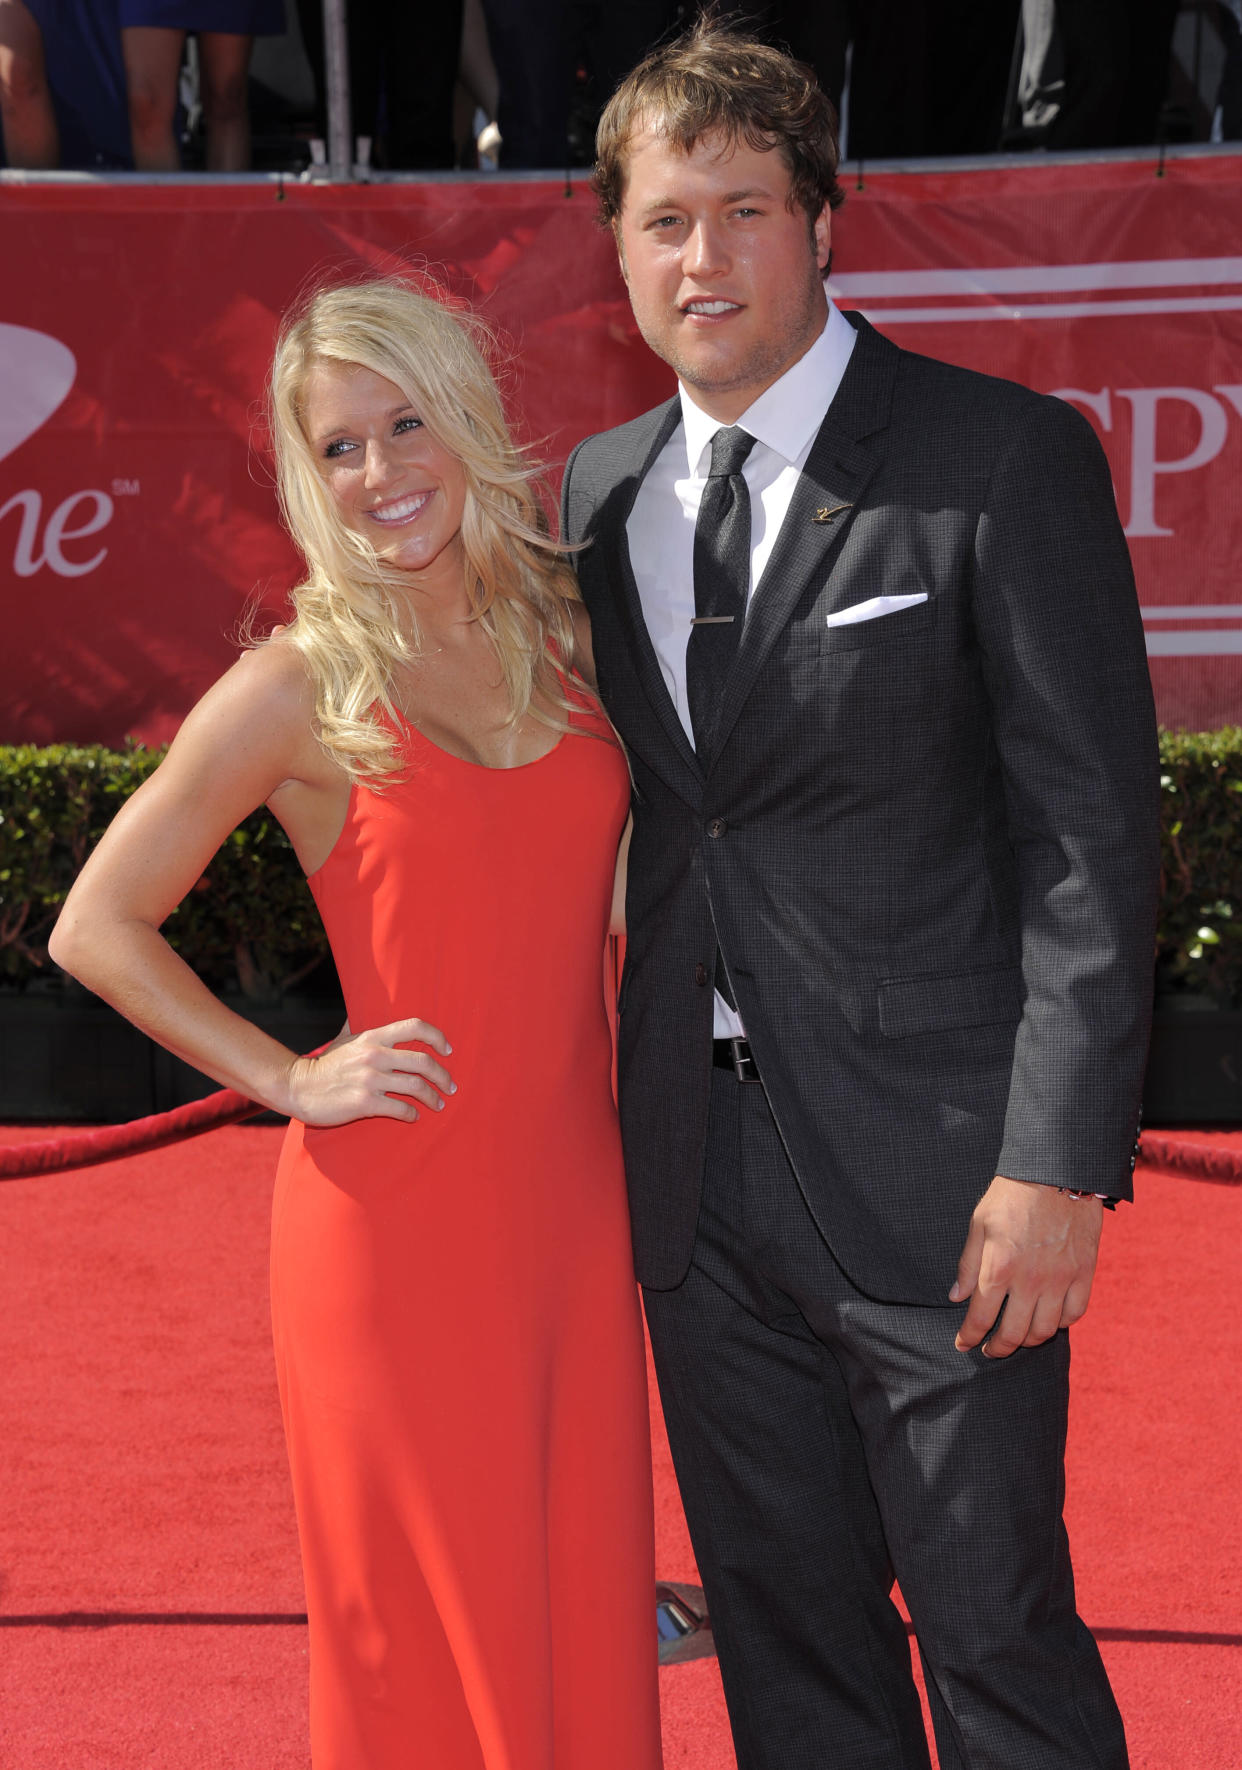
926	844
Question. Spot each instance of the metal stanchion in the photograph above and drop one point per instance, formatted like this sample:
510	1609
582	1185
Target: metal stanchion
336	69
683	1627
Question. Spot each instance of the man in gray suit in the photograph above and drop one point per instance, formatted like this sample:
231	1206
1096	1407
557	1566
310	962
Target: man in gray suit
867	626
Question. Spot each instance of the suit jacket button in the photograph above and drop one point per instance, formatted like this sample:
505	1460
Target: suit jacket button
717	827
700	974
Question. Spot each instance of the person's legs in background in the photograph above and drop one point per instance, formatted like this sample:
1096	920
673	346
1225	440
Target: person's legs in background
478	85
531	46
31	138
620	36
1116	59
366	38
422	50
1229	97
152	65
888	79
970	52
224	59
814	31
1151	42
914	89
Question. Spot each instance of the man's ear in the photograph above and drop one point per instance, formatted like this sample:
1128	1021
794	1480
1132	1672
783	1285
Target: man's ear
822	231
620	245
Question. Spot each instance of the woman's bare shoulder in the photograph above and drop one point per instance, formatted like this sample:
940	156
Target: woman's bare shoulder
264	702
269	682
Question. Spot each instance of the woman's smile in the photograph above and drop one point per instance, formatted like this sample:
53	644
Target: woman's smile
399	511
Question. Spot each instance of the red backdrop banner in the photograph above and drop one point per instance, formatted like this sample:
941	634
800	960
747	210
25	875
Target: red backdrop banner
137	516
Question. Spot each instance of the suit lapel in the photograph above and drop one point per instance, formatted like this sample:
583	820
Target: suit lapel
829	491
612	539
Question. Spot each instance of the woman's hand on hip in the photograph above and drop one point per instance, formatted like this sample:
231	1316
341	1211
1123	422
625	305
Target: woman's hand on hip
371	1075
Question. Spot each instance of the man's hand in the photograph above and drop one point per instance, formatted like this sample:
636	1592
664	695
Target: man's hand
1032	1249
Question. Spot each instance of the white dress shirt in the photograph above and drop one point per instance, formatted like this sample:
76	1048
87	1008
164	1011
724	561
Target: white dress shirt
784	421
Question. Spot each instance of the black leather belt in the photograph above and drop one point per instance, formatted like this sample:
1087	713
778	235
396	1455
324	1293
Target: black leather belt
735	1054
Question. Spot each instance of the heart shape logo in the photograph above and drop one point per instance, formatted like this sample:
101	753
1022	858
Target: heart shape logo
36	373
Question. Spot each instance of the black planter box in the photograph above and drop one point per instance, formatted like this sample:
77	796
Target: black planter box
68	1058
1194	1071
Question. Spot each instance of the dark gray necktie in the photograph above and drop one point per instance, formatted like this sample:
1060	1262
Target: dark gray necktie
721	581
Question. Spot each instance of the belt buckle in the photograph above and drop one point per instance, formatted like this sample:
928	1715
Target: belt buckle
743	1061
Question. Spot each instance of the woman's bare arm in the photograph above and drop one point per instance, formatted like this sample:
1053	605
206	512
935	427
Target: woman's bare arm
584	663
616	921
249	740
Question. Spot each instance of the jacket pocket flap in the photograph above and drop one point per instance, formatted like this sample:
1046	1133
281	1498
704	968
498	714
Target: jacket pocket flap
935	1004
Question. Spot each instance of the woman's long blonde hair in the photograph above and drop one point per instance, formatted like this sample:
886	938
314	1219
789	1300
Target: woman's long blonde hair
353	622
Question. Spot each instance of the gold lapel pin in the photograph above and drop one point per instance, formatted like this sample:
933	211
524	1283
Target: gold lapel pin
826	514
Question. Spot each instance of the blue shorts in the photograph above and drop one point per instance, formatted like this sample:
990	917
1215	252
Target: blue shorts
242	18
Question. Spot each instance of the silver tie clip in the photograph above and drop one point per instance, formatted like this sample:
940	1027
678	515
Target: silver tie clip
711	620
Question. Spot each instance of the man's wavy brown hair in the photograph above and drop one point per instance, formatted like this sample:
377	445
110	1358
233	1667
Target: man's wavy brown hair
714	81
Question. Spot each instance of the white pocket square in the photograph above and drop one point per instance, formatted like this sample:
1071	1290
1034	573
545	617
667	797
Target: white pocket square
873	608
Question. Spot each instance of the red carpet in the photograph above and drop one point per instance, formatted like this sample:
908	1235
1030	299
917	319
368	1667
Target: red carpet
143	1478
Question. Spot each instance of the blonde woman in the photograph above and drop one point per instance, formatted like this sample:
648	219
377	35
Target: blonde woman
456	1325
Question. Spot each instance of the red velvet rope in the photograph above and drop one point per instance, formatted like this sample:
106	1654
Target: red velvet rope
107	1143
1197	1161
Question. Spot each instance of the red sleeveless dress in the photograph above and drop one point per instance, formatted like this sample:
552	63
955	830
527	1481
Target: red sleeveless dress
456	1322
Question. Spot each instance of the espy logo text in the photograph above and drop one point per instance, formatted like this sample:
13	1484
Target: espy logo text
36	374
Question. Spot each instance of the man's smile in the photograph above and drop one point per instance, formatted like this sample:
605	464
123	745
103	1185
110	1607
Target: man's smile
700	307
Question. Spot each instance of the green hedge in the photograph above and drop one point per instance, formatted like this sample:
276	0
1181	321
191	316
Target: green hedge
1199	941
250	922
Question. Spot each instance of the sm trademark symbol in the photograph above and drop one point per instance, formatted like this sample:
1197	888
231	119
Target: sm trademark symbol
126	488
